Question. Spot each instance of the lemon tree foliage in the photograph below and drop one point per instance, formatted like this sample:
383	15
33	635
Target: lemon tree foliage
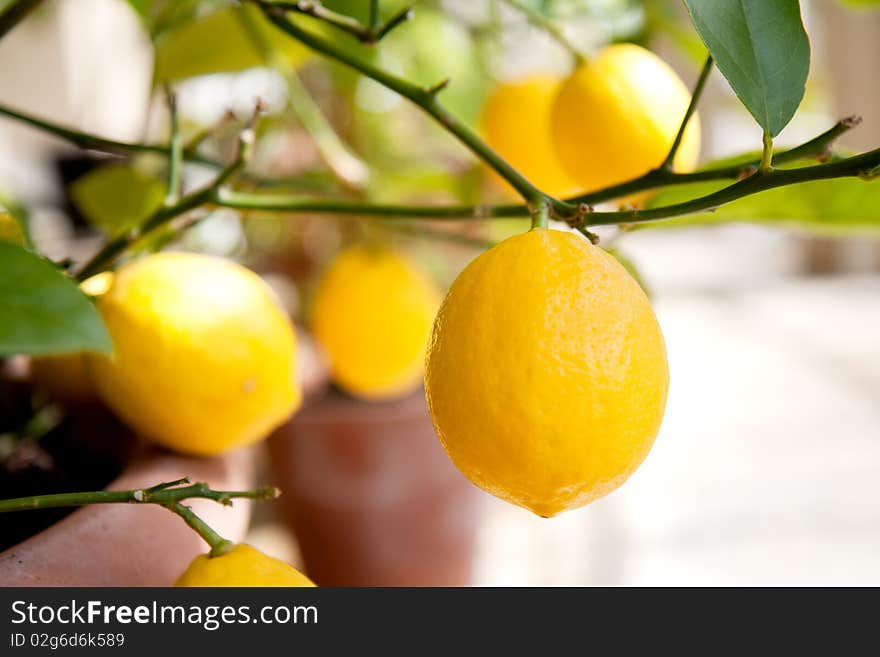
42	311
762	49
218	42
116	197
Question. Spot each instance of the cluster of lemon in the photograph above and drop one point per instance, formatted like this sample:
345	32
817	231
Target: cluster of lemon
544	367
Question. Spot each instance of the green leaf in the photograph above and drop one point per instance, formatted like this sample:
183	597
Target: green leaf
218	43
42	311
826	206
116	197
762	49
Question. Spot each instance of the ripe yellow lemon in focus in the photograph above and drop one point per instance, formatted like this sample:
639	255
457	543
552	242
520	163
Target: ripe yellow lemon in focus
203	355
372	315
616	117
515	122
546	375
241	566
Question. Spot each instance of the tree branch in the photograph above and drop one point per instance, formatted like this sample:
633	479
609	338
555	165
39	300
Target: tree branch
15	13
538	19
169	494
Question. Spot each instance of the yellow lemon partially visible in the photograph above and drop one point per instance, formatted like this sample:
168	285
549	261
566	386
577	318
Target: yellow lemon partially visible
616	117
204	356
241	566
372	315
515	122
546	375
10	229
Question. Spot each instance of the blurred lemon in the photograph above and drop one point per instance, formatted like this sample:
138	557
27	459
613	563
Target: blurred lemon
515	122
616	117
372	314
203	355
243	565
546	375
10	229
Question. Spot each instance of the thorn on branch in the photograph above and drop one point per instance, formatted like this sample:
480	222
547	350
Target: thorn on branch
399	18
850	121
437	88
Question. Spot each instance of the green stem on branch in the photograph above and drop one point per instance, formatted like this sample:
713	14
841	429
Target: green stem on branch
669	162
766	164
15	13
168	494
175	151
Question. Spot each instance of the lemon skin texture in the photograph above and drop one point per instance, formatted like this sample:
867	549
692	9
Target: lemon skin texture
204	357
242	566
616	117
515	122
372	314
546	375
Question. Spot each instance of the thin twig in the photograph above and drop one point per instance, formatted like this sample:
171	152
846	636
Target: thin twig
691	108
168	494
15	13
175	151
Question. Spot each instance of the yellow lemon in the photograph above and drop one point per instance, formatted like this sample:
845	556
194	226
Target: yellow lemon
241	566
515	122
546	375
203	358
616	117
372	315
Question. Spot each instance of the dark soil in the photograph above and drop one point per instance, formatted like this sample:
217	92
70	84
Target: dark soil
46	447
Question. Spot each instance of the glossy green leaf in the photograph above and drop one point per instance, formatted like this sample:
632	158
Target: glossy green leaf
826	206
117	197
762	49
43	311
218	43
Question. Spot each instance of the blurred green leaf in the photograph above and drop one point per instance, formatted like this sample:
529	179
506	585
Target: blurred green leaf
42	310
762	49
218	43
116	197
826	206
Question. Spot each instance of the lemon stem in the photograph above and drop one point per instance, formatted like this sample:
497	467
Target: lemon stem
541	215
168	494
175	151
669	162
766	165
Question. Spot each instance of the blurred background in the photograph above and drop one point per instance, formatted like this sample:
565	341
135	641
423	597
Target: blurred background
767	468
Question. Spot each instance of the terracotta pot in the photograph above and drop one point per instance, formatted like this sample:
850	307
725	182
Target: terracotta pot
132	545
371	495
